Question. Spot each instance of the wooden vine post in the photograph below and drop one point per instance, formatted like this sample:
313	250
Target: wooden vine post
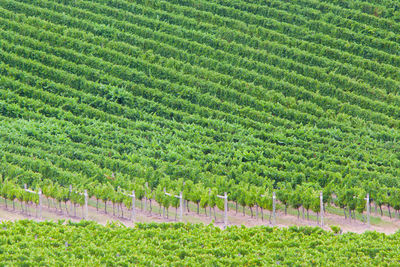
273	208
26	207
225	197
368	211
133	204
184	202
321	207
86	216
86	197
70	201
209	206
39	193
40	203
145	196
180	203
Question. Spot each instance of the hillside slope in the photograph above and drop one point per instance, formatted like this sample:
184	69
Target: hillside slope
215	92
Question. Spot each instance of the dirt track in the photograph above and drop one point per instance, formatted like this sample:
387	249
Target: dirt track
385	225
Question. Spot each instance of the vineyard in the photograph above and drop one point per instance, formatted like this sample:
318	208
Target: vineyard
54	243
246	105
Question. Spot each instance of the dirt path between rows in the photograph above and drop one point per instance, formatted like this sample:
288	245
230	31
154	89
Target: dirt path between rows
386	225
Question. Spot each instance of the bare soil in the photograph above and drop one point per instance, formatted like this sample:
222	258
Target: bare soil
385	224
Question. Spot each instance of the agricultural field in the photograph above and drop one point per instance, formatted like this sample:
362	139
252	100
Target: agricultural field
289	108
56	243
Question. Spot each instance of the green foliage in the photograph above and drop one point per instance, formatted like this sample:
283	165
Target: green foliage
295	198
264	200
86	243
292	97
336	229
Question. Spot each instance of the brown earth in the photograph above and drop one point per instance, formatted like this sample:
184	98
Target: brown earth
385	224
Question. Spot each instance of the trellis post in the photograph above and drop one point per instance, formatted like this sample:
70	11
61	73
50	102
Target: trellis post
86	215
225	197
368	211
40	203
180	203
145	197
321	203
26	206
209	194
133	205
226	209
163	211
273	208
70	201
184	202
39	193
